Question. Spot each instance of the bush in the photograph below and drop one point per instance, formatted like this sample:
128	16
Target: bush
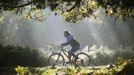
11	56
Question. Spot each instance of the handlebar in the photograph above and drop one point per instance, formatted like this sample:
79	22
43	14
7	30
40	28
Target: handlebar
61	48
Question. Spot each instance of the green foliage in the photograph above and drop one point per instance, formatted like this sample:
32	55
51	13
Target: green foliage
118	8
119	69
50	72
71	70
85	71
123	67
75	9
22	70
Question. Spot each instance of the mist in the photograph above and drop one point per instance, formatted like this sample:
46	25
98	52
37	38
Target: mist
102	31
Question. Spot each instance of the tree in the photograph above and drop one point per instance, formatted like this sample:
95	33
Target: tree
72	10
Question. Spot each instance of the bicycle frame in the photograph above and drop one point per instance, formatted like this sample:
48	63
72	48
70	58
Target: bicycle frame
64	52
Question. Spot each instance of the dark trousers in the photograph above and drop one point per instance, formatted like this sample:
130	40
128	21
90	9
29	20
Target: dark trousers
72	51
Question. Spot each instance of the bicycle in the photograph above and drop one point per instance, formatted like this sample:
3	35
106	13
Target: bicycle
80	59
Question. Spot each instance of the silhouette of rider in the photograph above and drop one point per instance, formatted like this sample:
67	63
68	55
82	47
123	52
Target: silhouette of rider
72	42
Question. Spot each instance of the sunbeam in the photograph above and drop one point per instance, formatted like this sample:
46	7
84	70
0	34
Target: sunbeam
103	32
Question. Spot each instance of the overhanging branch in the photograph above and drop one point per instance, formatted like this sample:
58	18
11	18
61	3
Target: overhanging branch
77	4
8	6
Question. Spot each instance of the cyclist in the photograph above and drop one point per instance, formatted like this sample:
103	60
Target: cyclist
72	42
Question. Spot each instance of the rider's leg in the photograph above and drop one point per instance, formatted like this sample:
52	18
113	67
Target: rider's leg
72	51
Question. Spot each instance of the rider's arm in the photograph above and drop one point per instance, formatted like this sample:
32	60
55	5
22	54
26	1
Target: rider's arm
69	39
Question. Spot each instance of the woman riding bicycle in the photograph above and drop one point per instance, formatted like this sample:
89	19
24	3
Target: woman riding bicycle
72	42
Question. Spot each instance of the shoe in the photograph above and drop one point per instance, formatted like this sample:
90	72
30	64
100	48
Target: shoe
76	57
68	62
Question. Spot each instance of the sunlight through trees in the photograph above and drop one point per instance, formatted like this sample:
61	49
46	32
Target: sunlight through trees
75	9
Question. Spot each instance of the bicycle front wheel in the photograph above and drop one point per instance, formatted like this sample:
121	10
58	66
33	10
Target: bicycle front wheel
83	59
56	59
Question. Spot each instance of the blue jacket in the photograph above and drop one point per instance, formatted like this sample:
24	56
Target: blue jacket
71	41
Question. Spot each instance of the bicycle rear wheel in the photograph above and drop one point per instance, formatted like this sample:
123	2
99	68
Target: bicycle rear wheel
56	59
83	59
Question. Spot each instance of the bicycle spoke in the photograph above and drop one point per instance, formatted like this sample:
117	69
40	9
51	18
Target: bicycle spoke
83	59
56	59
